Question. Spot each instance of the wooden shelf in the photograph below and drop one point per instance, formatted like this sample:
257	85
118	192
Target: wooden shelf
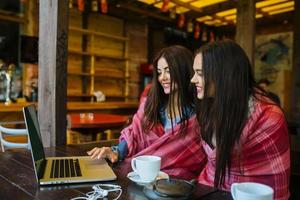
79	95
76	51
107	68
107	73
91	32
109	56
111	73
79	74
91	95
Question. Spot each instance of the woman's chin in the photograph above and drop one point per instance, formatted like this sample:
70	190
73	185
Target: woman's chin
166	91
200	96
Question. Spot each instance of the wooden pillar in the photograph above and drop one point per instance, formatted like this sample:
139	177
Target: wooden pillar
53	43
295	98
245	27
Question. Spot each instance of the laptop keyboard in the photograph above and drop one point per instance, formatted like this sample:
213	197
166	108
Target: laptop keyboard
62	168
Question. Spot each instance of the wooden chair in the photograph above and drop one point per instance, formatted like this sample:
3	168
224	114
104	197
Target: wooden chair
12	132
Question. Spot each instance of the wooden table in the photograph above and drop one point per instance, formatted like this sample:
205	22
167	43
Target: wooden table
96	120
17	179
93	123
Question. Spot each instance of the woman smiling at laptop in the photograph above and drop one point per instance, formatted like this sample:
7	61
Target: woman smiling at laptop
165	124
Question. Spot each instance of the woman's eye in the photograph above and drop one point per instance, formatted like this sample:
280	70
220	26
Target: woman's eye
199	73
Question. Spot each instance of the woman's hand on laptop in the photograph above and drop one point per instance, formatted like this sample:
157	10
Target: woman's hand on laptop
104	152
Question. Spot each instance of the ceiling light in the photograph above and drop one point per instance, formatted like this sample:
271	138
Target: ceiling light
180	10
185	1
204	3
216	21
259	16
267	3
222	24
159	5
226	12
230	17
281	11
276	7
204	18
147	1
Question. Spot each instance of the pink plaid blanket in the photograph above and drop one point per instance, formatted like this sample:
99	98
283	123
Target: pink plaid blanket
182	156
265	153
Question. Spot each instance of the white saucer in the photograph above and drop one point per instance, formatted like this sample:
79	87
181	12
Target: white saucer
136	178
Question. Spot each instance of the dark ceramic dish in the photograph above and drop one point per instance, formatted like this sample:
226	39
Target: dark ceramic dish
169	189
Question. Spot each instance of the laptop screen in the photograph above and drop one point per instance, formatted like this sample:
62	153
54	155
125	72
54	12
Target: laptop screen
37	149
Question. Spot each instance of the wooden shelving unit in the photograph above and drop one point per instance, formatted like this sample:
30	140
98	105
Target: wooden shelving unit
89	74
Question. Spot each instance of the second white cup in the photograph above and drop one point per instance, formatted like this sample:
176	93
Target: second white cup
147	167
251	191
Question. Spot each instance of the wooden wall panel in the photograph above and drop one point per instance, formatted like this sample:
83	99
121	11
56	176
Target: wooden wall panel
138	54
74	84
106	24
109	25
75	18
110	87
109	73
75	38
109	63
105	46
74	63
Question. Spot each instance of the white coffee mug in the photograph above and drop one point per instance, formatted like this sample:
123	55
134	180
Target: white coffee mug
147	167
251	191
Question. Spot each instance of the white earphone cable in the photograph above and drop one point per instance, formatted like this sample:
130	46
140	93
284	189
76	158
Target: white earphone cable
101	191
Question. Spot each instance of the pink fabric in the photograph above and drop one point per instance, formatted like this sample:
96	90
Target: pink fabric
181	155
265	153
145	92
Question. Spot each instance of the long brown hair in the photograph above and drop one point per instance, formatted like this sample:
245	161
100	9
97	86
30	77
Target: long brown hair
180	61
226	69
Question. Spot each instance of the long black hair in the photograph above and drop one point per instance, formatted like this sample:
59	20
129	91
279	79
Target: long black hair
180	62
222	113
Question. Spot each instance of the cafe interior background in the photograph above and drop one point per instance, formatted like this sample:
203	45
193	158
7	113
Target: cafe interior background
111	44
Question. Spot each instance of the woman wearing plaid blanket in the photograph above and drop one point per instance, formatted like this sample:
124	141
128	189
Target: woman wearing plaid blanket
165	124
244	133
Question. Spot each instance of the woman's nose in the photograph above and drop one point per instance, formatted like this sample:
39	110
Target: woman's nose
193	79
163	75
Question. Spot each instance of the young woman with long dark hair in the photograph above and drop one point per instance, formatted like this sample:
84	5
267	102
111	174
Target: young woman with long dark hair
165	122
244	133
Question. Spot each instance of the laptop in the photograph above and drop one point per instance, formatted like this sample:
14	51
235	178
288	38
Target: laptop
61	170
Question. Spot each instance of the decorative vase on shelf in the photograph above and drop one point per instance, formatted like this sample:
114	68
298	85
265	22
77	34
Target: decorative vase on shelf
7	73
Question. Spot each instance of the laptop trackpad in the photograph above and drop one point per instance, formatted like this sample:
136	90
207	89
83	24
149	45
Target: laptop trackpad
92	164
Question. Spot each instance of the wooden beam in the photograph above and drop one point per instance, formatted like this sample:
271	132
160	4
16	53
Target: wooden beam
53	43
145	12
186	5
295	99
245	27
210	10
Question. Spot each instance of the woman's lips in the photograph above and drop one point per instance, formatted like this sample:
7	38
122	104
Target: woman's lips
199	89
166	85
